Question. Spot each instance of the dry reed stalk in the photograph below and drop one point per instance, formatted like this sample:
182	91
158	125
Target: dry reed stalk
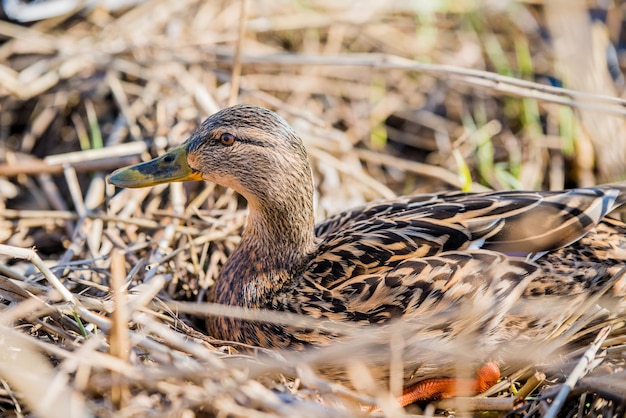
497	83
236	72
118	339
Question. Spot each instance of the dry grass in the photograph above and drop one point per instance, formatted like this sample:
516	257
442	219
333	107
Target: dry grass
389	99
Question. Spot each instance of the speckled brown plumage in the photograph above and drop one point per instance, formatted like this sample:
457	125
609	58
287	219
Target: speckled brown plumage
391	260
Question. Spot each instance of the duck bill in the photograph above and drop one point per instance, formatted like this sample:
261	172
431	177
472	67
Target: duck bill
167	168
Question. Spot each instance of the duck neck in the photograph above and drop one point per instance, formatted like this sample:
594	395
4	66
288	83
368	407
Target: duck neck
276	243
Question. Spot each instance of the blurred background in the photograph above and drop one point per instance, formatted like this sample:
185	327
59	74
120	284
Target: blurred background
390	97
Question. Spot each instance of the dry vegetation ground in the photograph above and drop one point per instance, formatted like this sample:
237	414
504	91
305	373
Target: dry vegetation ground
389	98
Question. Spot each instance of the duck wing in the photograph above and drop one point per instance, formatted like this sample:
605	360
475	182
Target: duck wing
513	222
419	287
386	209
544	221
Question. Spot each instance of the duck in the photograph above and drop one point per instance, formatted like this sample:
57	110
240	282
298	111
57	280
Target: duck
388	261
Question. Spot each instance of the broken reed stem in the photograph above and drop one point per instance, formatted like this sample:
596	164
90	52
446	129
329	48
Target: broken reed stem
119	340
31	255
531	384
75	192
477	404
39	167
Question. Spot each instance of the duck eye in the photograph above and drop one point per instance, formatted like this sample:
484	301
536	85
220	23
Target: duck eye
227	139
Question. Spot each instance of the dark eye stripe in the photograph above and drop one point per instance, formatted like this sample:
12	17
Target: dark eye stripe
252	142
238	139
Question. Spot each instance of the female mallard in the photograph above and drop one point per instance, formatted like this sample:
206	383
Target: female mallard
387	260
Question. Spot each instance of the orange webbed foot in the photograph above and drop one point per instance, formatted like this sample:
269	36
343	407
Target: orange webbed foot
448	387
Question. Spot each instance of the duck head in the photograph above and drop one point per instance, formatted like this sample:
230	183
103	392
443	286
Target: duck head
247	148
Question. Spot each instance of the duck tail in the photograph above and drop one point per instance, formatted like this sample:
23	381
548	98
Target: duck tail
616	192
